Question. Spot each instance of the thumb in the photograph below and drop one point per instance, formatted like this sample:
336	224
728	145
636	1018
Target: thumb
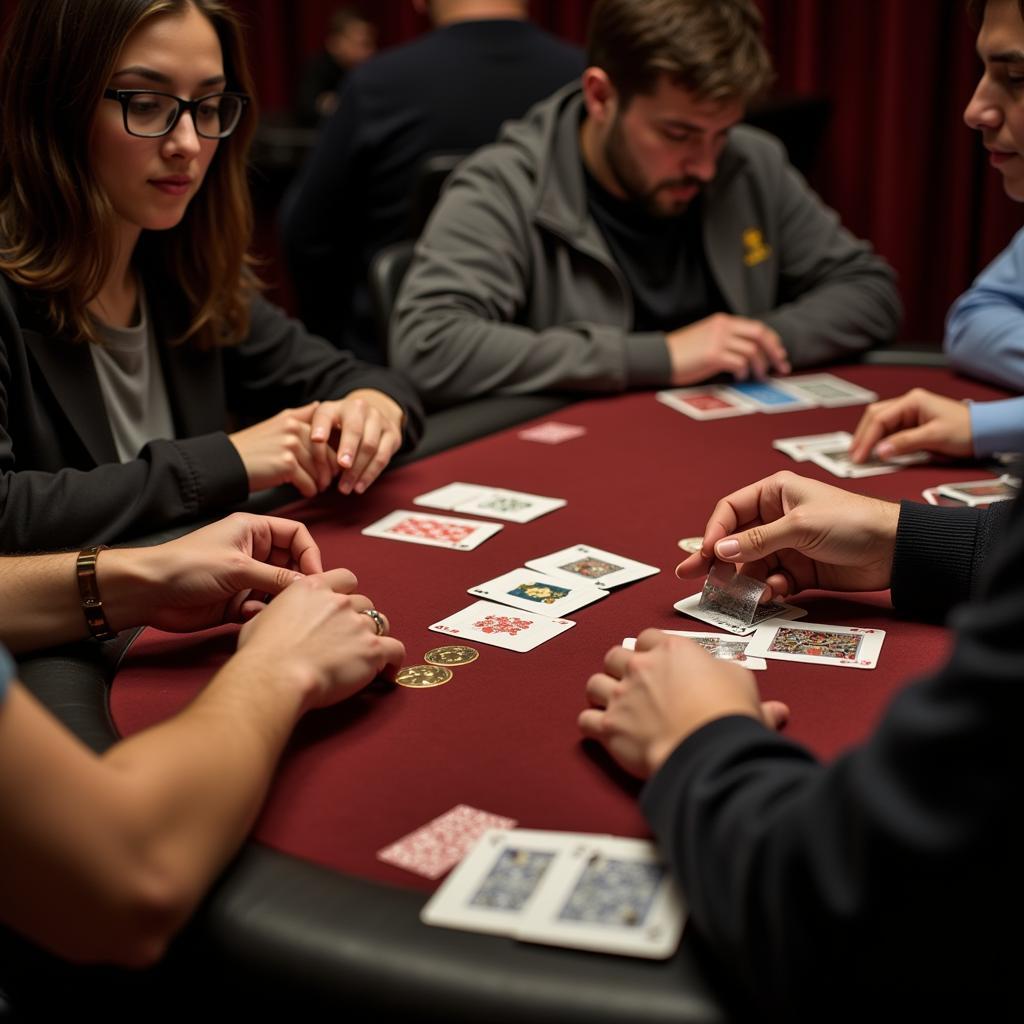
263	578
758	542
903	442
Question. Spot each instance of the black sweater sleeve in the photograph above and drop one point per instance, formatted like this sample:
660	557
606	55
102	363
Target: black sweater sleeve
888	877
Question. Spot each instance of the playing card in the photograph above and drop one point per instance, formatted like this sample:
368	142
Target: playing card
439	845
828	390
705	403
498	880
535	591
609	895
514	506
772	610
433	530
979	492
818	644
730	593
770	396
451	495
723	648
499	626
837	461
933	497
584	564
552	432
799	448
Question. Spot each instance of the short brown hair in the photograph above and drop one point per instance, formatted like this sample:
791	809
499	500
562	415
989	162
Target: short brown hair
57	223
713	48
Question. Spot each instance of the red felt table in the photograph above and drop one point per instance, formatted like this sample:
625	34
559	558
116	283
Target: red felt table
501	735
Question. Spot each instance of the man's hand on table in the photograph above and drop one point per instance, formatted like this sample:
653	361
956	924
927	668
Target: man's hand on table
647	701
916	421
795	534
723	343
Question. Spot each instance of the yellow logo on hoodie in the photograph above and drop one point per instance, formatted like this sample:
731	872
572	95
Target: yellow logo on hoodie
757	250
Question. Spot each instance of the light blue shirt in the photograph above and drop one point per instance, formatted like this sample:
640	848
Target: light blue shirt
985	326
997	426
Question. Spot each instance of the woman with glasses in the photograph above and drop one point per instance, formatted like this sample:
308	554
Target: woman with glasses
132	331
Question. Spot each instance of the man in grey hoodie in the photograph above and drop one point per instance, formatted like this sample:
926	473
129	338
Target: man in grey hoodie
628	233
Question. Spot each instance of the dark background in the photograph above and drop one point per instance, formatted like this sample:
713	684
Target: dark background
897	161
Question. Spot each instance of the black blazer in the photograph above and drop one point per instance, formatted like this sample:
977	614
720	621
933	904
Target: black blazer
61	484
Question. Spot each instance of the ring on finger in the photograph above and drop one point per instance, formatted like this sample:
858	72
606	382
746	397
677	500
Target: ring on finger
380	623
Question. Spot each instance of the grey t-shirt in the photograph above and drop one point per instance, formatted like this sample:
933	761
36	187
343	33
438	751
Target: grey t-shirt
132	383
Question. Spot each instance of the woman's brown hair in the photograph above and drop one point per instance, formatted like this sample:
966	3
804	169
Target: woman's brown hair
57	224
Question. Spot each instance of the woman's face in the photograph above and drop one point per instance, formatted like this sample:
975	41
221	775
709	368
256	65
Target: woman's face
150	182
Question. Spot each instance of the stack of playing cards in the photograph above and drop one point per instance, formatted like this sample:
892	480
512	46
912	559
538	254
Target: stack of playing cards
732	602
973	493
495	502
832	452
725	648
789	394
591	892
546	589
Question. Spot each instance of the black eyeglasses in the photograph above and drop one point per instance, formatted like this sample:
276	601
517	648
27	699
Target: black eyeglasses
153	114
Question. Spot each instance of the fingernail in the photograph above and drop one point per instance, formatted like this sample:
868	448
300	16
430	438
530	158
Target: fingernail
727	548
319	434
345	459
360	487
884	450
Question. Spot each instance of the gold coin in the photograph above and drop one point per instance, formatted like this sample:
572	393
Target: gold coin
691	544
422	677
454	655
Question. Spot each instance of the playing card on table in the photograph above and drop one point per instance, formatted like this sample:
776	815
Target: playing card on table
584	564
710	402
487	623
836	459
552	432
496	502
799	448
609	895
731	601
933	497
498	880
439	845
535	591
433	530
975	493
723	648
829	390
770	396
818	644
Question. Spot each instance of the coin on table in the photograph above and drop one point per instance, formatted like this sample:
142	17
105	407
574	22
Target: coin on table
453	655
422	677
691	544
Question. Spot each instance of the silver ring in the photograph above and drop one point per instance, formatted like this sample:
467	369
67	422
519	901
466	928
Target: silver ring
379	622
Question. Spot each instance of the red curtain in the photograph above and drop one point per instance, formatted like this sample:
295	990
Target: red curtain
897	163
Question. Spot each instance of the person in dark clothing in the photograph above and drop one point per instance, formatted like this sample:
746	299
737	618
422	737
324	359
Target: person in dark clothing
885	878
448	91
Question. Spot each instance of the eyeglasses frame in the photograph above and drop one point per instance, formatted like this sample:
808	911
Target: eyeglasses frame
124	97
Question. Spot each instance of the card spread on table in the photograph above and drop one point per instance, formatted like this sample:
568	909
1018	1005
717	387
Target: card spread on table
535	591
440	844
600	893
772	610
724	648
552	432
799	448
433	530
500	626
975	493
710	402
818	644
584	564
828	390
496	502
836	459
770	396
